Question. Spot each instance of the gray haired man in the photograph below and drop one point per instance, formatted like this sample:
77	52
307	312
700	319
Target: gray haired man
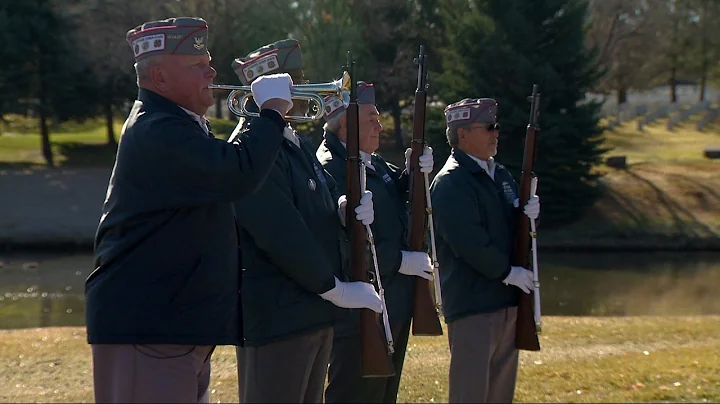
397	265
474	202
164	291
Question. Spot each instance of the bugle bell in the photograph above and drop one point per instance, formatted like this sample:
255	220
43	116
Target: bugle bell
312	93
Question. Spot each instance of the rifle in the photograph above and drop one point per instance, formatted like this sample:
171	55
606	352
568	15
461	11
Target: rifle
425	312
376	361
527	326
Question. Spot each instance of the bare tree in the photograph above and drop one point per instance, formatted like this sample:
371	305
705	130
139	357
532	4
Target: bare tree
102	26
621	32
705	32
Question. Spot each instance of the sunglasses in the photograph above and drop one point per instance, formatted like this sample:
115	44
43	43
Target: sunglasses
491	127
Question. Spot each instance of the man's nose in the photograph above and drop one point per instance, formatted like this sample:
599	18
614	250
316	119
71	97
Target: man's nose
212	73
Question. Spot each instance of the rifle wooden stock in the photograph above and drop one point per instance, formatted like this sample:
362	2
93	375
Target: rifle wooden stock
526	334
425	317
376	360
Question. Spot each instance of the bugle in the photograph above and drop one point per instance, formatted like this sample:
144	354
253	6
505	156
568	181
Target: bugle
312	93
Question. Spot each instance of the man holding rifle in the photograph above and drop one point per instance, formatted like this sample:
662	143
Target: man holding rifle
293	277
397	266
474	201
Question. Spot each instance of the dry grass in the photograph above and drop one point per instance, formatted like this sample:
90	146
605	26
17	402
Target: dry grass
584	359
656	143
669	194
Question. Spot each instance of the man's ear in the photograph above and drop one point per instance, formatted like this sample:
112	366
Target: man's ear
160	78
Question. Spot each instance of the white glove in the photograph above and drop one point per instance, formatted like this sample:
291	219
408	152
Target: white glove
416	263
363	213
532	208
272	86
354	295
521	278
426	160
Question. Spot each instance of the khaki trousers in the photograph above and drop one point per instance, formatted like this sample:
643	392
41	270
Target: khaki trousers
151	373
483	358
288	371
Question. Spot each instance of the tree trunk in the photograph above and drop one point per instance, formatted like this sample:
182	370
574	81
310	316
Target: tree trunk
621	96
109	122
42	113
703	52
674	55
218	107
45	138
397	123
672	83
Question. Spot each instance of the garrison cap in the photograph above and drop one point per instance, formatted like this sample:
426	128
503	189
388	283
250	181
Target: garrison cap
334	106
173	36
471	110
283	56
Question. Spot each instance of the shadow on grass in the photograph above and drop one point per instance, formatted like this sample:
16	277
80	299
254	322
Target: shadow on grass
76	155
672	214
68	155
20	165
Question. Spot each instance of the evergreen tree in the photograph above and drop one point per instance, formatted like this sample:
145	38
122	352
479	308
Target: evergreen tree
43	71
499	49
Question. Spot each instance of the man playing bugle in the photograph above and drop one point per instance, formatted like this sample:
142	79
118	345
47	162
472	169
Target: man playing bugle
164	291
292	266
397	266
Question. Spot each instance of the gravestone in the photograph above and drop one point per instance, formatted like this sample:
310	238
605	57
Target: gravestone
618	162
683	115
709	116
712	152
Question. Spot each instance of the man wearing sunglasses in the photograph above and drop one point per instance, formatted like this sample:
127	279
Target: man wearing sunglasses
474	202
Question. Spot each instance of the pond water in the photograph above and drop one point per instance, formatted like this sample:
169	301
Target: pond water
41	290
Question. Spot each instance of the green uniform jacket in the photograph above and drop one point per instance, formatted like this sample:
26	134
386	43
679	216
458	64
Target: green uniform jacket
389	186
166	258
474	230
290	241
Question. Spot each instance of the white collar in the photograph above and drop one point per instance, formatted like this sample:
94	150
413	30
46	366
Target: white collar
198	118
487	165
366	158
289	134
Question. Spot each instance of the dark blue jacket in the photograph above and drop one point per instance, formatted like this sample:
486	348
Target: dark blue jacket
474	221
166	248
389	186
291	240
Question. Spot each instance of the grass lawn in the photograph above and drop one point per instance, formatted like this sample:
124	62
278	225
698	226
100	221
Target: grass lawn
583	359
73	144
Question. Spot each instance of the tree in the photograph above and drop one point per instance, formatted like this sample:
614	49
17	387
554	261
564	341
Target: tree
499	49
622	33
392	32
102	26
705	43
673	24
40	63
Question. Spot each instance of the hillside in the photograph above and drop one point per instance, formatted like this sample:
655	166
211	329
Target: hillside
668	196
